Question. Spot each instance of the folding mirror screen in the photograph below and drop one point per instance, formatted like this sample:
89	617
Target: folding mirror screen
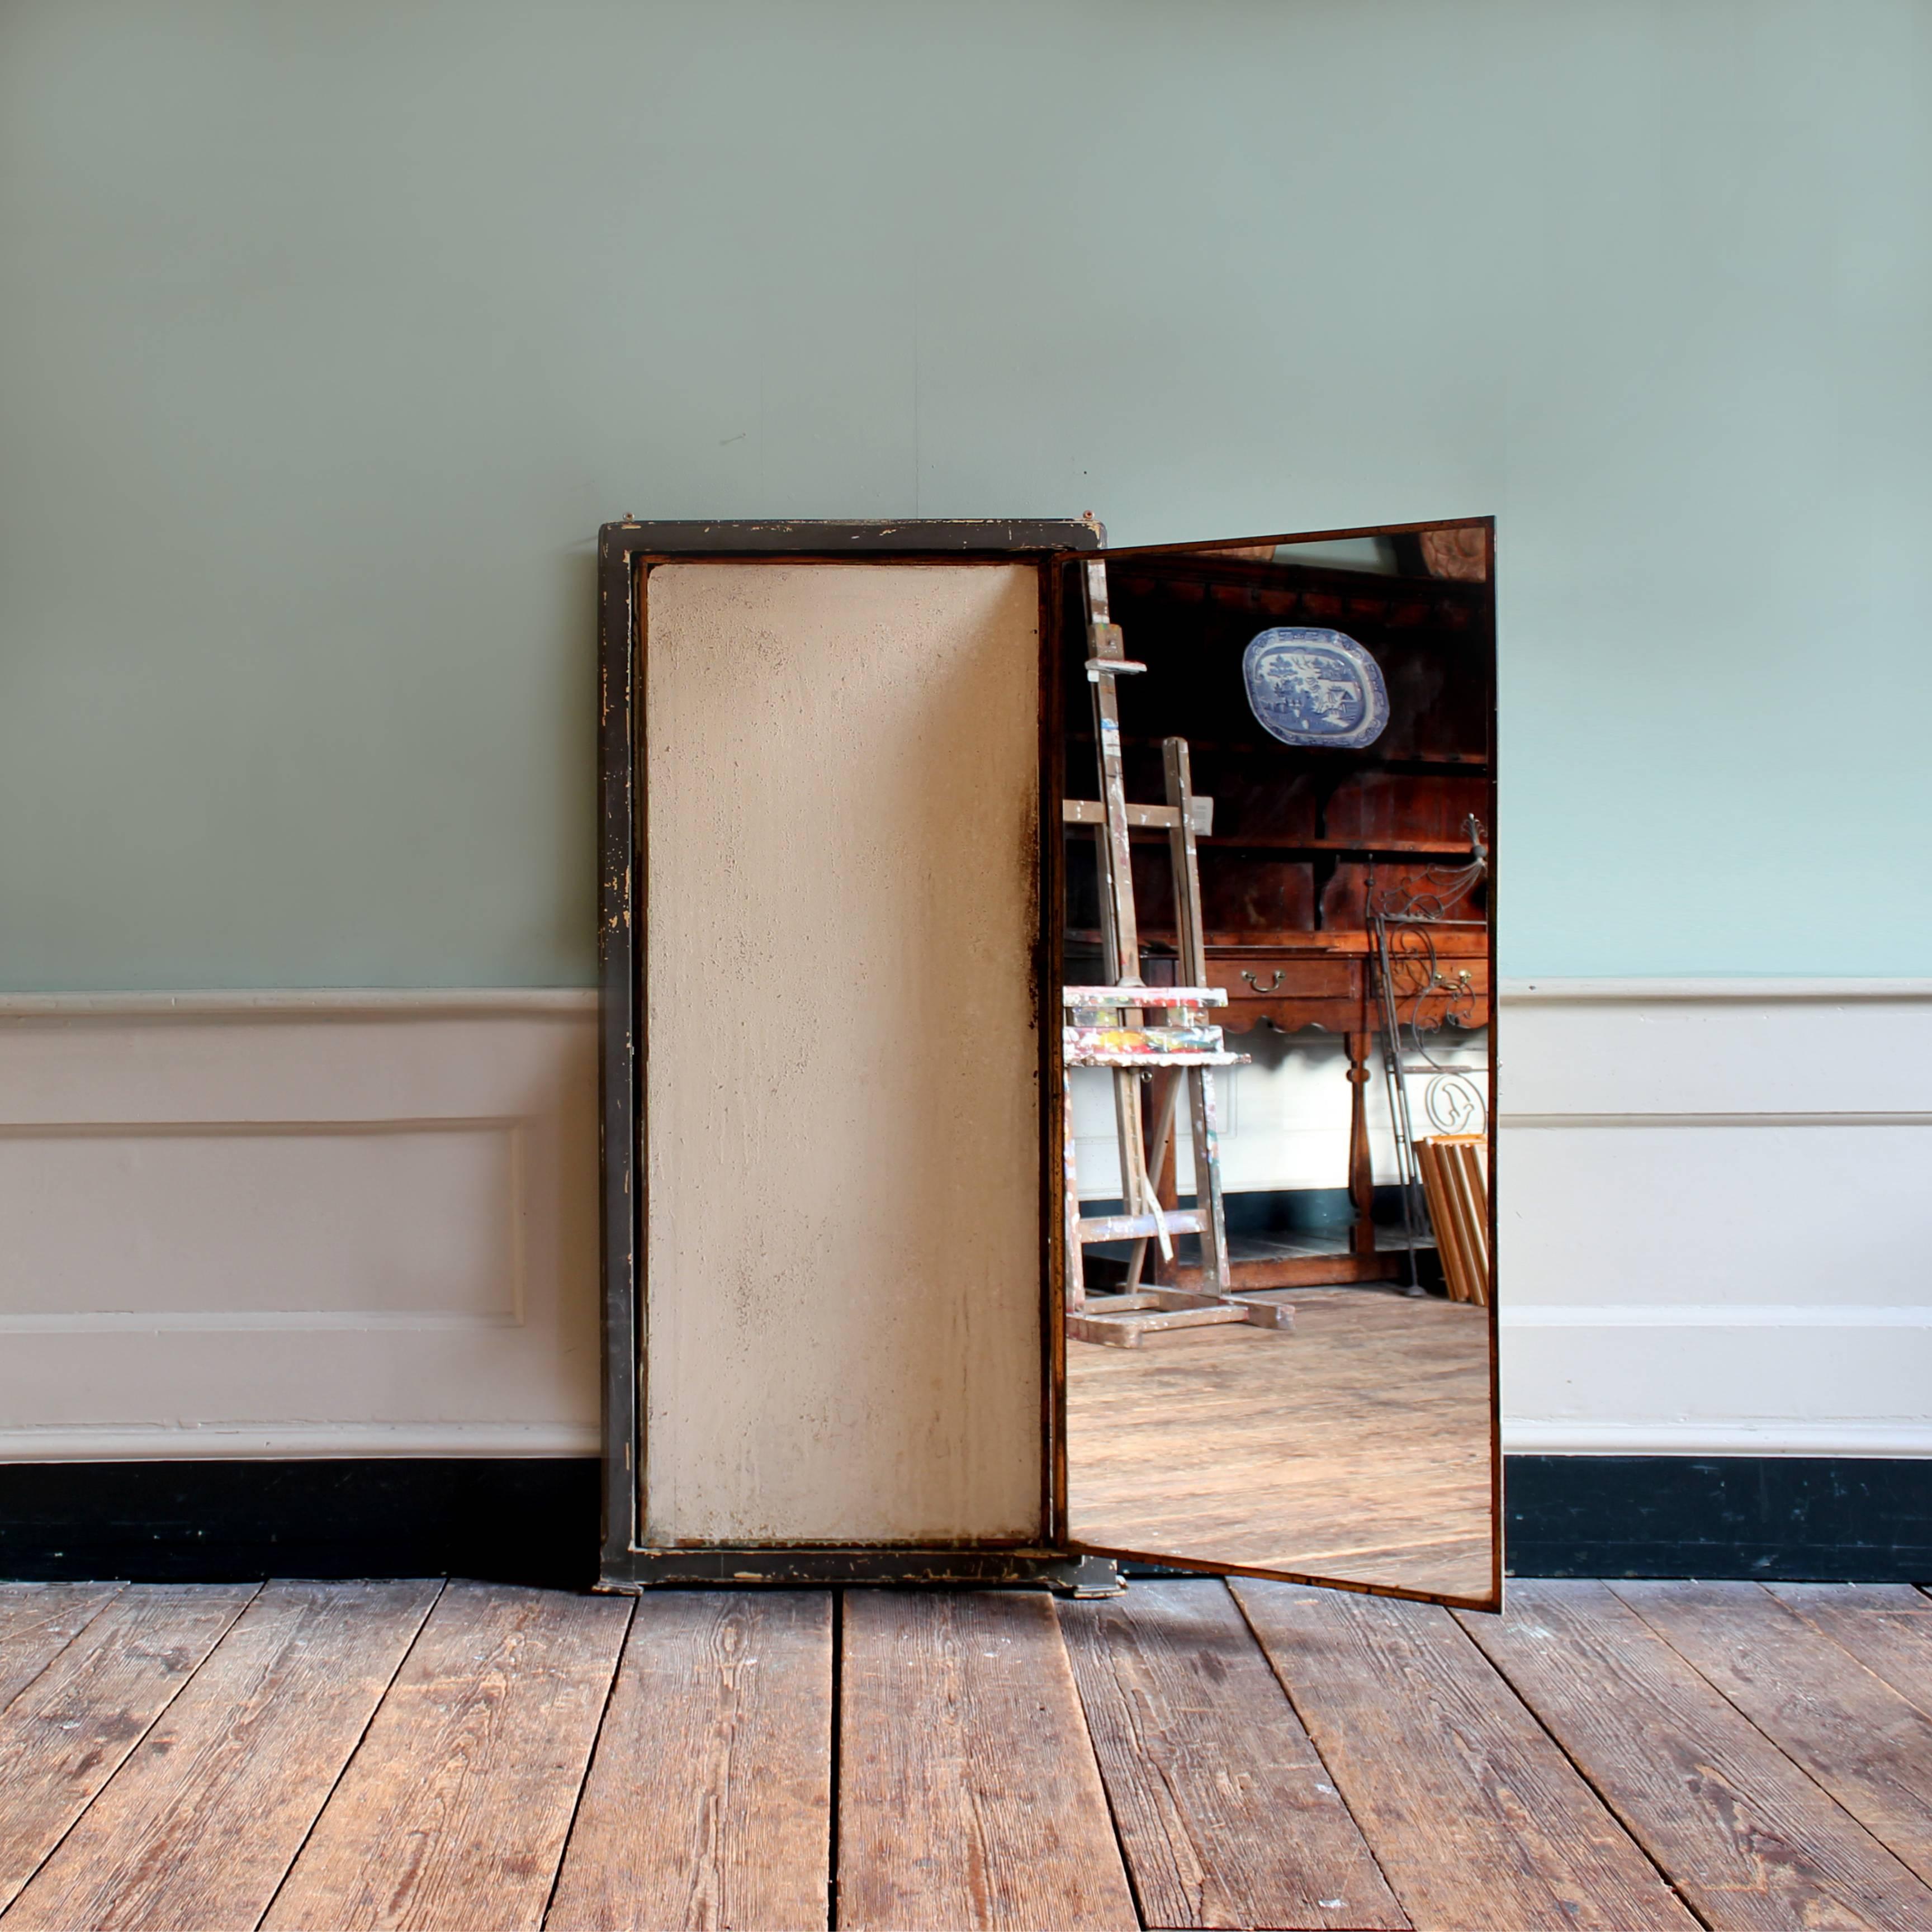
1048	1055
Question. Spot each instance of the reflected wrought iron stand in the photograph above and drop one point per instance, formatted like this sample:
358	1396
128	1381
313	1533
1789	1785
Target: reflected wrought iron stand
1412	911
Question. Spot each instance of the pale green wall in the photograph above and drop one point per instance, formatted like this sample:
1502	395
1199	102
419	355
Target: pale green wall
330	330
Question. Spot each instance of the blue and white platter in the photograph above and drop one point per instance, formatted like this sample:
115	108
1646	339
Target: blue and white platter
1316	687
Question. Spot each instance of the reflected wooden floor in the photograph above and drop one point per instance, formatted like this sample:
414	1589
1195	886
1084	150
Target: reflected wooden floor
1626	1757
1355	1445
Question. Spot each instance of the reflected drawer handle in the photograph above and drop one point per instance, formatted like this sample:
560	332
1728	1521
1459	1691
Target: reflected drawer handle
1257	985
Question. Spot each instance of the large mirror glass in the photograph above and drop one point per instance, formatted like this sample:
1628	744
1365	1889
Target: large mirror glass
1276	973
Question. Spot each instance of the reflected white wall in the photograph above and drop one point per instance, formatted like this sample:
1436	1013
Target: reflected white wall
1284	1117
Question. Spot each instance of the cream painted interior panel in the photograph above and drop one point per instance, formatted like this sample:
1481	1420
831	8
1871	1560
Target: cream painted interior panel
841	1134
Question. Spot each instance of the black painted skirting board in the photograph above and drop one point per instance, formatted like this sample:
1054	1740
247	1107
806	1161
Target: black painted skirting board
1780	1518
527	1520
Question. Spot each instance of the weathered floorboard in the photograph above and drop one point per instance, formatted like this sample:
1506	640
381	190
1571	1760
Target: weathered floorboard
165	1750
1750	1840
38	1622
1887	1626
66	1734
709	1801
1479	1822
453	1812
1225	1812
1868	1746
968	1794
197	1827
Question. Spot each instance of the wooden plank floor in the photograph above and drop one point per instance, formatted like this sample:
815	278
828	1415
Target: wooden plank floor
1274	1448
1191	1755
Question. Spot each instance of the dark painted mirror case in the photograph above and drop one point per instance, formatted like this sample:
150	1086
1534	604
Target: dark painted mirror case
878	1190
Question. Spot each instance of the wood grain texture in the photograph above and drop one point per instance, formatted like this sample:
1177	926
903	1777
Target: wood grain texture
38	1622
1867	1744
1479	1822
968	1794
66	1734
198	1825
1226	1814
1863	1599
1752	1842
1887	1626
841	799
971	1792
454	1810
1356	1446
709	1804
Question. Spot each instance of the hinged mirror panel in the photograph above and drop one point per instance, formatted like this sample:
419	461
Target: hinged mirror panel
1277	982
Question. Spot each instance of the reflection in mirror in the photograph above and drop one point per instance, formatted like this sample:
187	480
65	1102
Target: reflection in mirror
1277	964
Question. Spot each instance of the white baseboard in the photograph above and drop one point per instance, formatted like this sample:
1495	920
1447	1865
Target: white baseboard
1774	1437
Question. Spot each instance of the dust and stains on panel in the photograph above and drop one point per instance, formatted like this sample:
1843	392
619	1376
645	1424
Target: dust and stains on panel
841	799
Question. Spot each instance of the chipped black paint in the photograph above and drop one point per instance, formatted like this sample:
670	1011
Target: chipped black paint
626	550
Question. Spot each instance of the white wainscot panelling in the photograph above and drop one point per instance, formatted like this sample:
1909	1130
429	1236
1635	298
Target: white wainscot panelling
366	1224
1715	1217
297	1224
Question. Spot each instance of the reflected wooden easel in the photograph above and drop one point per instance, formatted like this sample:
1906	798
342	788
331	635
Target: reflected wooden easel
1107	1026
